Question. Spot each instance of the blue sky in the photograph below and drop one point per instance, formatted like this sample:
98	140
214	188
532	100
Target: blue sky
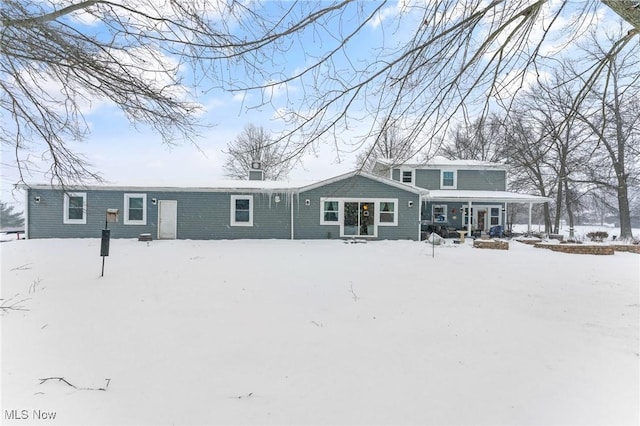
124	155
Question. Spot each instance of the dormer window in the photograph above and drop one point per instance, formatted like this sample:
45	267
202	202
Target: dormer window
448	179
407	176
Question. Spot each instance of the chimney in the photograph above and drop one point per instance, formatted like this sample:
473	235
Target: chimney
255	172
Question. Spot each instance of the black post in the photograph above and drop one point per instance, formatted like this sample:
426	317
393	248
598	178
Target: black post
104	243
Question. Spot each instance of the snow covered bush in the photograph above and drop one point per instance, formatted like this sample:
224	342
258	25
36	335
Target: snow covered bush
598	236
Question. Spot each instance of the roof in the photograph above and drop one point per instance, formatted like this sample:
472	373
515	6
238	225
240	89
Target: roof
386	181
236	185
487	196
437	162
216	186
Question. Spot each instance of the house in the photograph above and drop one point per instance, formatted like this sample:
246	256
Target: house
462	194
440	194
355	204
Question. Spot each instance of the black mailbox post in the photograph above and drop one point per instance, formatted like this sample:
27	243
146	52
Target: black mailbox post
111	216
104	244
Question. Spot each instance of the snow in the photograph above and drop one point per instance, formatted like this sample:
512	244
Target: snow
483	196
318	332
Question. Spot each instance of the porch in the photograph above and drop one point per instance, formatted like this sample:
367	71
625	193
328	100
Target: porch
476	212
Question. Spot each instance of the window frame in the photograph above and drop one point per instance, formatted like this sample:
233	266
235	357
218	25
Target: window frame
323	211
395	204
498	217
127	198
413	176
455	179
232	217
444	207
65	213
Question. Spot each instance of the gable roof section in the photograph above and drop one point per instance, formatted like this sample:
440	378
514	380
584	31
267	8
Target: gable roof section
385	181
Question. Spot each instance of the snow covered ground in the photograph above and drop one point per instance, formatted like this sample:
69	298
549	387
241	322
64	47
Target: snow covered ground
317	332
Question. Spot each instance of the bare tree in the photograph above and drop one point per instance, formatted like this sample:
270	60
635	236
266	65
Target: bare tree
251	145
433	61
614	122
389	144
480	140
526	148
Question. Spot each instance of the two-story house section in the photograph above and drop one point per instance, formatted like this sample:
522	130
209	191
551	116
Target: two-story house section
466	195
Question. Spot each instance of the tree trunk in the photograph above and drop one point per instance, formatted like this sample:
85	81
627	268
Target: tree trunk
559	195
624	211
569	210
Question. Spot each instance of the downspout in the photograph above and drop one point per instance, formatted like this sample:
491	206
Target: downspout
420	218
292	233
529	225
26	213
469	218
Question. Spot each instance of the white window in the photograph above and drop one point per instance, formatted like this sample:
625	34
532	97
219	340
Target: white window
406	176
330	214
468	215
440	213
135	209
242	210
448	179
387	211
495	216
75	208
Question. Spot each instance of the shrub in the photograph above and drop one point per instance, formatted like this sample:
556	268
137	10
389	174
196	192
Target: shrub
598	236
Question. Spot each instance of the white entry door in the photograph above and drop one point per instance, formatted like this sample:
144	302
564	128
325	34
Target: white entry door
167	219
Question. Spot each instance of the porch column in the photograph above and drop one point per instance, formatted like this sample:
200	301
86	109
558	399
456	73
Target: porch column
469	217
529	227
504	217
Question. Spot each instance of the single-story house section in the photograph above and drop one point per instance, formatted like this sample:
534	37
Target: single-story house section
355	204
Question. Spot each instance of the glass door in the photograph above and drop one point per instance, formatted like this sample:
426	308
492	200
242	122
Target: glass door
359	219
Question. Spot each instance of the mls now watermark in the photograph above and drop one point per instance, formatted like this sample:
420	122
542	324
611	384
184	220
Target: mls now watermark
29	415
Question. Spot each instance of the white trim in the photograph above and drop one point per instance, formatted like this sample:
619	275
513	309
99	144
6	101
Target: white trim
26	214
65	212
396	206
377	210
455	178
463	195
413	175
433	215
322	211
390	182
292	221
128	221
487	221
232	217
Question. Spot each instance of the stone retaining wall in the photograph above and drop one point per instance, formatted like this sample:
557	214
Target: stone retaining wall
490	244
601	249
530	242
632	248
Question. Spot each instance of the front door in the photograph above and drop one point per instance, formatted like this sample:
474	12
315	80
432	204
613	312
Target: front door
481	223
167	219
359	219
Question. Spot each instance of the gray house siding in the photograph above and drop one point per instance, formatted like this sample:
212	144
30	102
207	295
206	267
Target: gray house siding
307	217
428	178
487	180
200	215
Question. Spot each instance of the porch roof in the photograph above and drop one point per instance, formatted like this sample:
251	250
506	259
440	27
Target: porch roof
483	196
